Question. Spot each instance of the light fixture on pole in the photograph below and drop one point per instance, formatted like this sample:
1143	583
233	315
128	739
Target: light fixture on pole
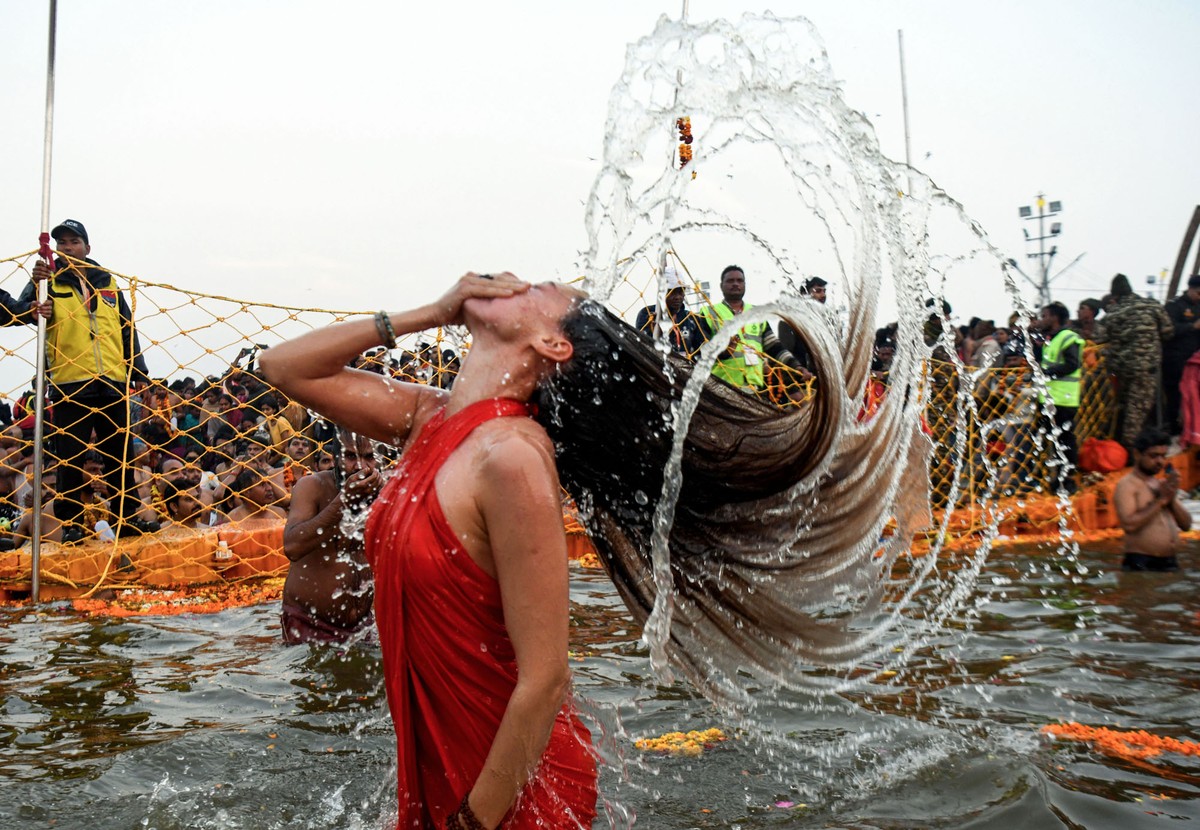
1044	257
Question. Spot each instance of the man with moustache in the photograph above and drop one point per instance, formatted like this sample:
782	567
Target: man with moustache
1148	507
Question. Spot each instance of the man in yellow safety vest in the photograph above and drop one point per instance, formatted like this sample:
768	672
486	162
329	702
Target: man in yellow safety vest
1062	362
741	364
94	359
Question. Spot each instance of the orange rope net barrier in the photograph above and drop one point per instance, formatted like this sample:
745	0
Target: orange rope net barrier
201	444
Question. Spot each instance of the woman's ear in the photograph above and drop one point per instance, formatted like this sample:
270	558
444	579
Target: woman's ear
555	347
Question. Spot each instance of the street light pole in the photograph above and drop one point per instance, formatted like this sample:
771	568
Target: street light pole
1045	210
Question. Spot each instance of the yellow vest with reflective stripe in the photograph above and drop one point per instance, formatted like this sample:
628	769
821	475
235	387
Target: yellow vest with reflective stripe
736	370
82	344
1063	391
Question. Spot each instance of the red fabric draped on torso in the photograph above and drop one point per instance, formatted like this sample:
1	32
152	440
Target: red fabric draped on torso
449	665
1189	391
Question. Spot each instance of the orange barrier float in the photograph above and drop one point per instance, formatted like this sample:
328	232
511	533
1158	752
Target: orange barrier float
189	561
179	558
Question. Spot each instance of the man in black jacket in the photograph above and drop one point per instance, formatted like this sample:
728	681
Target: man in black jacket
93	359
1184	312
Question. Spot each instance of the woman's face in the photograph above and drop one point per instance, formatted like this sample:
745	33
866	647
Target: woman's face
544	305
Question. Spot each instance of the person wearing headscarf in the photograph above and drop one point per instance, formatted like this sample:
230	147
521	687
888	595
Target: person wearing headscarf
680	327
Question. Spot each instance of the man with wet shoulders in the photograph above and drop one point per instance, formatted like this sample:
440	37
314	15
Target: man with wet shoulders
94	360
328	592
741	364
1148	507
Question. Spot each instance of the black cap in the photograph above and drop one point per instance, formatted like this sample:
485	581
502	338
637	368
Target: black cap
1194	281
73	226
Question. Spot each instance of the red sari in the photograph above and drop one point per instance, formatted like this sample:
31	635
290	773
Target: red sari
448	663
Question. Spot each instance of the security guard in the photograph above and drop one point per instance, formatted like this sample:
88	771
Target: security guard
1062	362
741	364
93	356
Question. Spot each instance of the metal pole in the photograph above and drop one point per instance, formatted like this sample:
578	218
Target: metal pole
661	326
39	429
1044	290
904	103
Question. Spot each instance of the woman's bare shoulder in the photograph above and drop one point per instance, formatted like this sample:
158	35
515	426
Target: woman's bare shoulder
514	447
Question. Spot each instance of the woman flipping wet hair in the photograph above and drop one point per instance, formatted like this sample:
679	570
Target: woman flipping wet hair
778	512
468	551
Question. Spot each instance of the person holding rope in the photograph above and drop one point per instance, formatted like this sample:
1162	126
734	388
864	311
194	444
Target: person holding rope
94	362
469	555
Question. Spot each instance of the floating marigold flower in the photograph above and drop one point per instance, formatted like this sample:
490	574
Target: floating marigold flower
684	125
689	744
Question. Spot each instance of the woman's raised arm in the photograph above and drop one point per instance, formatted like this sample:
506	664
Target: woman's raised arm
312	368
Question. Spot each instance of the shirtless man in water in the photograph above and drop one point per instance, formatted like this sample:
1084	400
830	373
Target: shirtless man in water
328	592
1148	507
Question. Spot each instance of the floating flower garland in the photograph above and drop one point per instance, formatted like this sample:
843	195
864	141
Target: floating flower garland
682	743
684	125
1138	744
204	600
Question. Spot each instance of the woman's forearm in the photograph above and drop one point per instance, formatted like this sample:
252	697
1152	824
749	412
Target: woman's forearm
324	352
519	744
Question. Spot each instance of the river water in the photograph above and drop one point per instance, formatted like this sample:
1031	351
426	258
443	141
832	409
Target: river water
206	721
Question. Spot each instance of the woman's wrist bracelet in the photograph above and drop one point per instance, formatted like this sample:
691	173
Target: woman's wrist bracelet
464	817
383	325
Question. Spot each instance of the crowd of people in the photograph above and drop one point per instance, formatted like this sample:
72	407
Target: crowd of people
463	555
128	454
1146	348
204	451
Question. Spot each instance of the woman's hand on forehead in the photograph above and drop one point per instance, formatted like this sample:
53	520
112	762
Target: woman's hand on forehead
476	286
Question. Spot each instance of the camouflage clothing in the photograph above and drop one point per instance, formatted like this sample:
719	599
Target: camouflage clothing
1135	329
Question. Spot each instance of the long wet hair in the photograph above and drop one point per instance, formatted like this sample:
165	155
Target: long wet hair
763	531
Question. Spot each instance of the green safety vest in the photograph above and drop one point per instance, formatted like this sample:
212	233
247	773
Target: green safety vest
739	370
1063	391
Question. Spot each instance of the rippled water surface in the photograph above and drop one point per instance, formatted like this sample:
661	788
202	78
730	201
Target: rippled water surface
207	721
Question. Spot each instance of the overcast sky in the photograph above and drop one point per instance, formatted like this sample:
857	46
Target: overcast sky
361	154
